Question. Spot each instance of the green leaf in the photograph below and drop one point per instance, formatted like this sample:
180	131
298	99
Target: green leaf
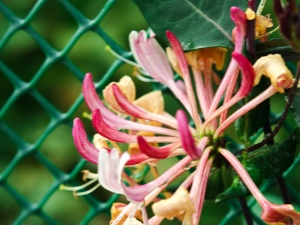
247	125
274	160
277	46
197	24
263	163
214	184
237	188
295	107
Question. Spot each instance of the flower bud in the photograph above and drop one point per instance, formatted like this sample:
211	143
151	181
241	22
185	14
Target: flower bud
273	67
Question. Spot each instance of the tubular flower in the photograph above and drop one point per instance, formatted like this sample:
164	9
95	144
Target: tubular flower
198	146
261	24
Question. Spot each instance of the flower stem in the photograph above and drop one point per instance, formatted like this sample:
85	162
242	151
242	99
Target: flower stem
283	116
246	211
250	32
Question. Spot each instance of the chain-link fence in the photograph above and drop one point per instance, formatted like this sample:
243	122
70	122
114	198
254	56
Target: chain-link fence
42	58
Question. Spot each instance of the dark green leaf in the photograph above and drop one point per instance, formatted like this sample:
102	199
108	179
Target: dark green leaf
197	24
238	189
263	163
214	184
296	108
247	125
277	46
275	159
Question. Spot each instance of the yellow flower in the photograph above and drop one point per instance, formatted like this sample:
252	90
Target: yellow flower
273	67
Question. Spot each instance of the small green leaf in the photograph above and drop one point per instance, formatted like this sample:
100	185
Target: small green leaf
247	125
197	24
277	46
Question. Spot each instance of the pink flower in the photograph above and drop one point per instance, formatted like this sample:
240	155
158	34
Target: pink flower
178	137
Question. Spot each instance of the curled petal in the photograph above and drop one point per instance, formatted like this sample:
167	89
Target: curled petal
151	151
273	66
106	131
187	139
139	113
247	73
179	203
179	53
128	89
126	105
84	147
111	119
246	86
239	18
277	214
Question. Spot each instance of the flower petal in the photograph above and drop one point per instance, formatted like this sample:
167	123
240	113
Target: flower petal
110	167
151	151
149	54
248	74
246	86
106	131
84	147
187	139
139	113
138	193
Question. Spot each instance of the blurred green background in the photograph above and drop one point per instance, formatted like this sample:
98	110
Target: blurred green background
24	115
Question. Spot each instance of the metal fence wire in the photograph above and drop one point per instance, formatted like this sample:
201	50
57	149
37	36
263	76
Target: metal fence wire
51	206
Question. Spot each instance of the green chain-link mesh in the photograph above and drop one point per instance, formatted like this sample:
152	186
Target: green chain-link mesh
25	149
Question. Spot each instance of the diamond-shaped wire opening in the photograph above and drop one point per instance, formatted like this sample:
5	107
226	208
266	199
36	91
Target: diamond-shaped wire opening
63	204
8	150
55	24
36	220
27	118
31	179
6	89
89	9
21	46
64	91
8	207
129	18
60	150
3	24
89	55
100	219
20	8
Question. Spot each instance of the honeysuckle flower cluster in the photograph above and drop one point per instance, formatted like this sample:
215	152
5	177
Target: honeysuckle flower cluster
153	135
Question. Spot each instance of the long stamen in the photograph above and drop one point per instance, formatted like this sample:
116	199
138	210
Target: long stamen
88	191
108	48
68	188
